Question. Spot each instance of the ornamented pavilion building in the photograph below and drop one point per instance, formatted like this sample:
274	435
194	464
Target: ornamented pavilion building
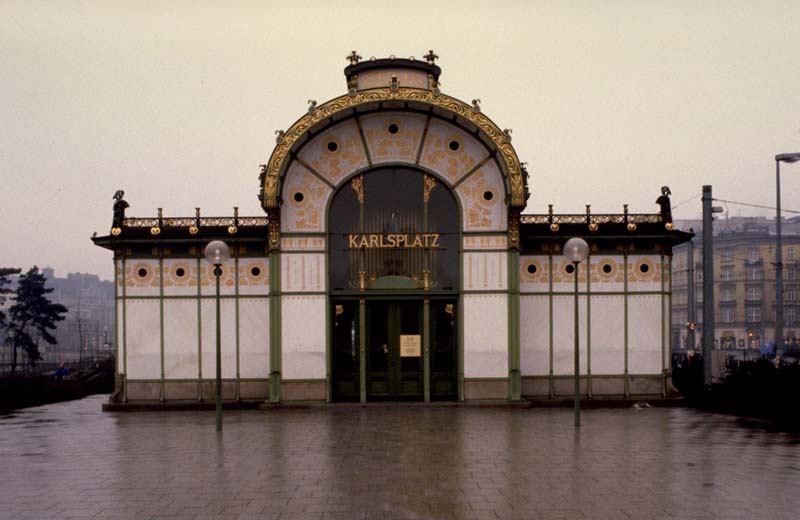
393	262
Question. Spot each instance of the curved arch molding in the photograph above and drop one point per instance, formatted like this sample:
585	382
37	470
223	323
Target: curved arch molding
270	172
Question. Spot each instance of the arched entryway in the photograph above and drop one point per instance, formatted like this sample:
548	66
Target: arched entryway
394	280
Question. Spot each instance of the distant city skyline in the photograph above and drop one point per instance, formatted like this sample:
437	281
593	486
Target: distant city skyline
178	104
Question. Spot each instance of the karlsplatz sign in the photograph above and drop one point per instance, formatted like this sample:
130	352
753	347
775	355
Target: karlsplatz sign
394	241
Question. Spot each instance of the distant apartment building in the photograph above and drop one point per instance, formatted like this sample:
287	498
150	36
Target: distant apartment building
744	284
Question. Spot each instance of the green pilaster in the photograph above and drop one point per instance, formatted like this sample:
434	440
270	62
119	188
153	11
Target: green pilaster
550	313
328	350
162	397
117	373
236	312
589	326
460	353
275	356
362	350
514	372
426	347
625	319
199	333
124	332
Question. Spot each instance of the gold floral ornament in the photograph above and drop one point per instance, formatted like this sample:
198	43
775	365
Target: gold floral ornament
271	172
155	230
193	230
116	231
232	230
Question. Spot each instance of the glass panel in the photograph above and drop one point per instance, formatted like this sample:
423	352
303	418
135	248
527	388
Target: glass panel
444	376
404	235
345	351
410	374
379	381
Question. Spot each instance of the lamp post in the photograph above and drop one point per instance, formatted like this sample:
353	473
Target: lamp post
217	253
576	250
787	158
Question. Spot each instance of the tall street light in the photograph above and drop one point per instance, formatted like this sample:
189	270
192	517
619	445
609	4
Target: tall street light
787	158
217	253
576	250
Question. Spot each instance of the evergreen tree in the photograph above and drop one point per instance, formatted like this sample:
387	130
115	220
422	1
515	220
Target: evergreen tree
32	312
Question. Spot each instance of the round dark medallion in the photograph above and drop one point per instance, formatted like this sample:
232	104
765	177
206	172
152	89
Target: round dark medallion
532	268
606	268
298	197
142	272
180	272
570	269
255	271
332	146
644	268
454	145
393	128
488	195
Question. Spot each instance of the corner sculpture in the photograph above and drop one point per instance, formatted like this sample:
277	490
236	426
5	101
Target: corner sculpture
120	206
665	204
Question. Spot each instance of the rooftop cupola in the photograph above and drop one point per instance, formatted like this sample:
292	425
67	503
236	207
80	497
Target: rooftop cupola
392	72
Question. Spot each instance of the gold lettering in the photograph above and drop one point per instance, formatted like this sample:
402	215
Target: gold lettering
417	241
392	239
401	239
352	241
435	240
373	240
364	241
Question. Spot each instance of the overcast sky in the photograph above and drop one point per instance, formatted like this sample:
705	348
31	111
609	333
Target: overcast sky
177	102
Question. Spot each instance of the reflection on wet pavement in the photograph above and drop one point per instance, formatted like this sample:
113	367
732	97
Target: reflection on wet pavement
72	460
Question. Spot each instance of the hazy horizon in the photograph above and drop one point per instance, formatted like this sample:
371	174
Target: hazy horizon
178	103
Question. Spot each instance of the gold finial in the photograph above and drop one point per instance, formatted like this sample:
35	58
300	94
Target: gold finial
476	105
279	136
395	84
507	134
428	184
353	58
358	185
312	106
431	57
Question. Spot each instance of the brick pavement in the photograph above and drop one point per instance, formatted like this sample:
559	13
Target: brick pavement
70	460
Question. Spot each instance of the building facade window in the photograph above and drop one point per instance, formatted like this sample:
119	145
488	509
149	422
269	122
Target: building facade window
790	314
791	272
727	274
727	255
791	294
727	315
753	314
753	273
790	253
753	293
727	294
753	255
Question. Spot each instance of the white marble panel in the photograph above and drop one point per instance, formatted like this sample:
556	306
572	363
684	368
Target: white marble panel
644	273
440	156
607	273
209	337
254	276
667	332
483	202
644	334
564	281
485	335
534	273
399	147
144	339
142	277
564	334
608	334
485	271
180	276
227	280
535	335
305	198
254	338
303	336
180	339
336	152
303	272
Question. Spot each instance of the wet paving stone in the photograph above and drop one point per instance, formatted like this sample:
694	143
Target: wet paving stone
70	460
